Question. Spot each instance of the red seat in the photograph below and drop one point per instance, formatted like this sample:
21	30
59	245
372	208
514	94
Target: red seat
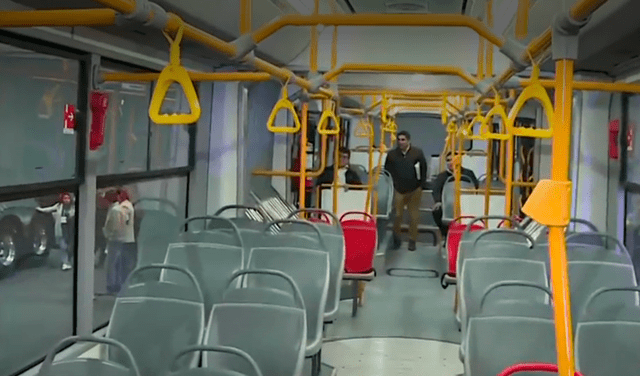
456	230
360	240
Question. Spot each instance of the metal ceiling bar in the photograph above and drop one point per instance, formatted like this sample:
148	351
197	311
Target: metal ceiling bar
363	19
52	18
401	68
194	76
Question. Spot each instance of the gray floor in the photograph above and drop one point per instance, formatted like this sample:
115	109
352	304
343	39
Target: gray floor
401	306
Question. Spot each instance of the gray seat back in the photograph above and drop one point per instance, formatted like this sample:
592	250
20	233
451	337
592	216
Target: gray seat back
88	366
607	340
384	189
253	218
586	277
274	336
216	371
158	229
497	342
210	229
157	319
480	273
254	289
211	264
449	196
594	246
310	271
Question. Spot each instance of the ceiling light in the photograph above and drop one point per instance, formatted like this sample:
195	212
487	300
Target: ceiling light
407	5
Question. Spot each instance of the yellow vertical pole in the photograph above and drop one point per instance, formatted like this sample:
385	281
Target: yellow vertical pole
245	16
508	183
336	158
489	177
313	44
303	154
458	176
522	19
480	72
489	64
557	244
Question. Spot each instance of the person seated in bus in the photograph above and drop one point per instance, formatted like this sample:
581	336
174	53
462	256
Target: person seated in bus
408	168
438	187
346	174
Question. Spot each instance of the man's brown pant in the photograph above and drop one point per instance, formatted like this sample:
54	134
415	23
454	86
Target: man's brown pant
412	200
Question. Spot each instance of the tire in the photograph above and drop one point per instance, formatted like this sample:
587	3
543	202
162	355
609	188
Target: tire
40	240
8	250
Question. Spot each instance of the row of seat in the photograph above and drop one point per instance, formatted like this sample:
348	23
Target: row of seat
505	311
264	290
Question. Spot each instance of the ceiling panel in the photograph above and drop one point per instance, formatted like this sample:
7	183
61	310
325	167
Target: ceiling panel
379	6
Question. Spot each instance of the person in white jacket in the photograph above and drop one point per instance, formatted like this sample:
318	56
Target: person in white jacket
122	250
63	213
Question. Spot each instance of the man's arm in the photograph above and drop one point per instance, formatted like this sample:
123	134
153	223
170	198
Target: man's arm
326	177
388	165
473	178
352	177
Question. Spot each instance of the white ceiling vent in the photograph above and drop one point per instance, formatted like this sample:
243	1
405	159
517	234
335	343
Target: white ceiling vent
406	5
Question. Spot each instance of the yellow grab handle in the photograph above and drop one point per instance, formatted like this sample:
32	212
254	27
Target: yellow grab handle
538	92
283	104
469	129
323	123
497	110
174	73
363	129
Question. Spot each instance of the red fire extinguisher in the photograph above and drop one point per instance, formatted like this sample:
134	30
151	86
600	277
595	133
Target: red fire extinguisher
99	105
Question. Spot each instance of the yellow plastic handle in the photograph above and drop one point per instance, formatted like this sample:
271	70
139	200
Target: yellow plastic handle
363	129
538	92
170	74
283	104
499	111
469	129
323	123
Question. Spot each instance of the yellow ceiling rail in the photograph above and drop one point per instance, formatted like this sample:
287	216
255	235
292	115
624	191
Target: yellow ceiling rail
245	16
397	94
52	18
283	104
489	53
539	93
615	87
194	76
174	72
174	23
375	19
328	114
402	68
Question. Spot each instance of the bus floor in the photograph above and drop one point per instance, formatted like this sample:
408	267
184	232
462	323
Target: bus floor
406	325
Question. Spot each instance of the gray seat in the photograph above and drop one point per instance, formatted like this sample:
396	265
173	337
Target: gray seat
157	319
253	289
334	240
310	271
599	247
158	229
218	230
500	243
384	189
88	366
448	196
253	218
586	277
211	264
497	342
480	273
607	340
274	336
218	371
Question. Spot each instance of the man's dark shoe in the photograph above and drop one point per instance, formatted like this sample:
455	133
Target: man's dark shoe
412	245
396	242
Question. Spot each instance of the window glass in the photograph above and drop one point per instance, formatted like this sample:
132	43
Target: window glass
34	90
632	229
126	133
169	144
36	278
633	167
158	209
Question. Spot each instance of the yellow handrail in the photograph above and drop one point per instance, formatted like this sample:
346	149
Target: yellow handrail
174	72
497	110
323	124
534	91
283	104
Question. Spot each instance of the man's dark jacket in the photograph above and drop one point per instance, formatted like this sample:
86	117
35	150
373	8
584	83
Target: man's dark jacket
441	179
402	169
327	176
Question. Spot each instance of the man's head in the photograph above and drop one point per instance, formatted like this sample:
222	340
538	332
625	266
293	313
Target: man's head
404	140
449	160
345	155
65	198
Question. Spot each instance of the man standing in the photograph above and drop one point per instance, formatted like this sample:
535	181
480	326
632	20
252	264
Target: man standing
438	187
408	168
